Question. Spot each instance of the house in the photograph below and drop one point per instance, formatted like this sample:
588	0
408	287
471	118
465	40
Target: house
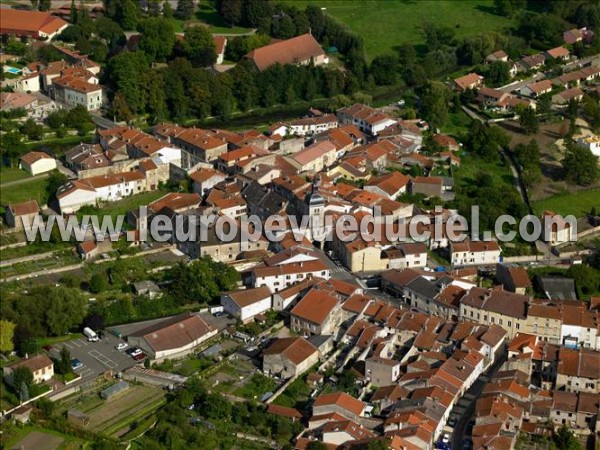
76	91
532	62
469	81
205	179
495	307
319	312
88	249
147	288
366	119
175	336
573	36
315	157
36	108
199	145
446	142
289	357
578	370
432	186
178	202
245	304
556	229
341	431
37	162
389	185
489	97
40	365
537	89
513	278
308	126
220	44
77	193
300	50
592	142
32	24
382	371
566	96
18	214
499	55
338	403
579	327
561	53
474	252
27	83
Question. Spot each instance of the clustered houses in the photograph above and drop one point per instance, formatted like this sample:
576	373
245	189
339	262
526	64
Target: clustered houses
571	323
71	82
566	87
411	368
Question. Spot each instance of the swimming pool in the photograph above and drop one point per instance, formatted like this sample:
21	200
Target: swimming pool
12	70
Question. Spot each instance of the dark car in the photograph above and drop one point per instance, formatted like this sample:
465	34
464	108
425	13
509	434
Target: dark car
76	364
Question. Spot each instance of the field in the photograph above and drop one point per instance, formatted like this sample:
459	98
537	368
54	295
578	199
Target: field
385	25
208	15
8	174
34	189
576	203
37	438
114	416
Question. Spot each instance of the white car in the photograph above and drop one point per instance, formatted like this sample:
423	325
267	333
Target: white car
121	346
446	438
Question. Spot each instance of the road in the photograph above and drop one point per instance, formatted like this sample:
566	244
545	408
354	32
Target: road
465	407
103	122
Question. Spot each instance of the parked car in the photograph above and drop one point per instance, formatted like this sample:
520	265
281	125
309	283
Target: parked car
219	314
452	421
139	356
76	364
121	346
446	438
134	351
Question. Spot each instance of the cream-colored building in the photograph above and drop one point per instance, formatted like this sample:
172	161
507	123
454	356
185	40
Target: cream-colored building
289	357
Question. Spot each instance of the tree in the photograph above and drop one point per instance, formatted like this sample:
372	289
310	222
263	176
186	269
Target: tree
316	445
435	103
437	36
63	364
199	46
564	439
529	158
231	11
45	5
22	380
7	332
158	38
167	10
528	120
509	7
94	321
65	309
384	69
587	279
73	13
154	8
283	27
55	180
544	105
127	14
580	165
185	9
498	73
98	283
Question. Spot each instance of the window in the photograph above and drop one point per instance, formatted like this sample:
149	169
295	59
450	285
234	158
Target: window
518	326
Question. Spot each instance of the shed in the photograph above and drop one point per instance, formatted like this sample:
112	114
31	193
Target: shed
114	390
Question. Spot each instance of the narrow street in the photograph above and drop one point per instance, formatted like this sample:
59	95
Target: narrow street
465	407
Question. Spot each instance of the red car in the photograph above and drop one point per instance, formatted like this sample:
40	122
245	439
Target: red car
139	357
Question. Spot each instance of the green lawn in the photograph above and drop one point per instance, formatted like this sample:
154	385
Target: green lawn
8	174
576	203
385	24
32	190
457	123
122	206
208	15
471	165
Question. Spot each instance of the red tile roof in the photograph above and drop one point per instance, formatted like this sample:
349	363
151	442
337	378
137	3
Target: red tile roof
290	51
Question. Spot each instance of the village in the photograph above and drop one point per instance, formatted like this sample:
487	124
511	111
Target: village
336	343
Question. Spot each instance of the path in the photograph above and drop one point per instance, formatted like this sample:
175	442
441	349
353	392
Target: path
24	180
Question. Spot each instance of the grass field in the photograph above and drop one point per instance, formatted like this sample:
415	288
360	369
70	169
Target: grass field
576	203
208	15
8	174
121	207
385	24
32	190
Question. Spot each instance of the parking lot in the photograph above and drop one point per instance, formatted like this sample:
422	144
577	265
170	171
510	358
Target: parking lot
97	357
